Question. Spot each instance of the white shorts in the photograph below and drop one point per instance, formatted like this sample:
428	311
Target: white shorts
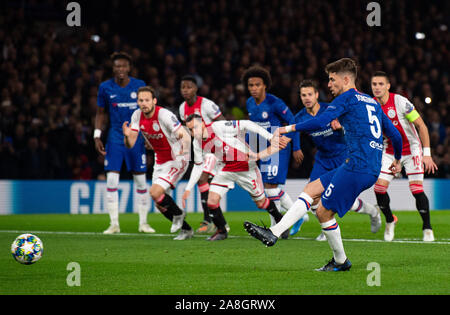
210	164
167	175
250	181
413	165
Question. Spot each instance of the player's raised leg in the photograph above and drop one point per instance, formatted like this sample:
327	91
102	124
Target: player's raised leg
297	211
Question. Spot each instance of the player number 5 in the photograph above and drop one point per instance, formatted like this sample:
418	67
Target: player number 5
376	130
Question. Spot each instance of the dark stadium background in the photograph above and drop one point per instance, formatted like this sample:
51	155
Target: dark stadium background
50	72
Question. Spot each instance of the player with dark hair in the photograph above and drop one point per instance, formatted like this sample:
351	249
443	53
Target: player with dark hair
226	139
118	98
210	112
364	124
171	143
270	112
331	152
414	134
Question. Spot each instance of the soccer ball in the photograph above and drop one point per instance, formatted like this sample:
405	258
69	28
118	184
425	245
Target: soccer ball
27	249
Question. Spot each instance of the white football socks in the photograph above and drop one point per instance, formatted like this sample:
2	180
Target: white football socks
142	197
112	197
295	213
332	232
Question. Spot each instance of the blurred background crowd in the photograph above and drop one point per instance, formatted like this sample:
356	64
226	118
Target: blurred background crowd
50	72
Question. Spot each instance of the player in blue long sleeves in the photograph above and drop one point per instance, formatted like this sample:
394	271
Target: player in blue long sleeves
364	123
331	152
270	112
118	98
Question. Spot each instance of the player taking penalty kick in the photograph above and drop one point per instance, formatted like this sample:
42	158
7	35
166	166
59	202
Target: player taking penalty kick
364	124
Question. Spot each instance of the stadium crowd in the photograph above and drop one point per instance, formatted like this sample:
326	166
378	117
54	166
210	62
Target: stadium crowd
50	72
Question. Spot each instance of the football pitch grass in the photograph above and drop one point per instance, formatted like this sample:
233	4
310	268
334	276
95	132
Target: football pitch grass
135	263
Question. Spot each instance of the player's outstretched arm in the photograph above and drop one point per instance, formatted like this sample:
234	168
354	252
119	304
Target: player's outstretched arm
130	136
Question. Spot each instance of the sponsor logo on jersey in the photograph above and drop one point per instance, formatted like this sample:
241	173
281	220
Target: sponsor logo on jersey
129	105
365	99
325	133
376	145
156	136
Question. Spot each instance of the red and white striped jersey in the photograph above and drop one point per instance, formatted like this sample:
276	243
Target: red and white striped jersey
402	114
227	141
160	130
203	107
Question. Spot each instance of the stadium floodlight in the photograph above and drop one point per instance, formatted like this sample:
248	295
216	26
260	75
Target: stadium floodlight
95	38
420	36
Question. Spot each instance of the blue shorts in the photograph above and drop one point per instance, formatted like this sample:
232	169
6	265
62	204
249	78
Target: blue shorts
342	187
274	170
324	165
135	158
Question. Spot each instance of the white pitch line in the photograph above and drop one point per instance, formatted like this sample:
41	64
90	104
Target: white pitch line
444	241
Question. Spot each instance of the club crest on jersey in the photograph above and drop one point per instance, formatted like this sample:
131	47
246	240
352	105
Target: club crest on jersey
133	95
391	113
156	127
265	115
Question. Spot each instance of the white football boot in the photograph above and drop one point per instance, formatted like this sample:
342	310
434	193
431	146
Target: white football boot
375	221
177	222
184	235
146	228
112	229
321	237
428	235
389	230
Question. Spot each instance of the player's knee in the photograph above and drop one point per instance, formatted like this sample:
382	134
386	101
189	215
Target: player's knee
203	179
213	200
140	181
323	214
380	189
112	180
156	192
314	189
416	188
262	203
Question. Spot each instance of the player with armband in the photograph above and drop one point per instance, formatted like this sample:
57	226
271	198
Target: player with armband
364	124
226	139
171	143
416	159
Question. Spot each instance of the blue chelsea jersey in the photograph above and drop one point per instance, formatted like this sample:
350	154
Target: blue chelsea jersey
121	102
271	114
329	143
364	123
